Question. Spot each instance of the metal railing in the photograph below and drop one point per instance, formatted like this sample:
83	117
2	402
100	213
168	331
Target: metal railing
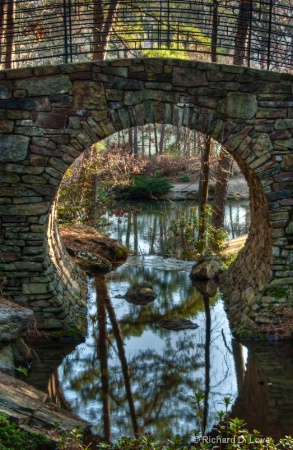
257	33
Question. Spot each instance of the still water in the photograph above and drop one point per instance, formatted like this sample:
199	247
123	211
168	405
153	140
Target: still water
149	372
131	374
147	232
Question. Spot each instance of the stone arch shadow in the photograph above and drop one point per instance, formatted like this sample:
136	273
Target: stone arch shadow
51	114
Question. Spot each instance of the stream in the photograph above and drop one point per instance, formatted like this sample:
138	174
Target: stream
131	374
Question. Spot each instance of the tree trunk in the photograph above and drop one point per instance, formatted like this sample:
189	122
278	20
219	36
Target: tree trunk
9	34
162	138
135	141
2	29
178	137
124	364
223	170
103	22
241	32
214	31
204	186
142	141
150	141
102	349
156	138
130	140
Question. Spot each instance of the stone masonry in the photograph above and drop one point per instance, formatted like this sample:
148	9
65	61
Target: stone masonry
49	115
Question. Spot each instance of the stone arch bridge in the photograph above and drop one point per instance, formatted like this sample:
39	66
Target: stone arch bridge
49	115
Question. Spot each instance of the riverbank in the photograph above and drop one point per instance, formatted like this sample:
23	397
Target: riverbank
237	189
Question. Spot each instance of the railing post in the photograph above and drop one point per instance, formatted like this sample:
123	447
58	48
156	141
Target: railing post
269	36
67	31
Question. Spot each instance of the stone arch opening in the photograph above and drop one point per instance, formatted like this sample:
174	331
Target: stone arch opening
51	114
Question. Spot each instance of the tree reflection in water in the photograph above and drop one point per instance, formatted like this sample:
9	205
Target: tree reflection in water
132	375
147	233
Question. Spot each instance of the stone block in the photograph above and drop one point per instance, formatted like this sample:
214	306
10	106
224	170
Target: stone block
239	105
272	113
50	324
15	115
281	124
262	145
260	161
36	86
287	163
25	210
154	65
14	320
19	104
5	90
234	140
13	148
188	78
90	95
122	84
49	120
124	118
117	71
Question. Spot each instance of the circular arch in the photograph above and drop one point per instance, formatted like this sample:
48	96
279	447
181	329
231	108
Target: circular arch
54	113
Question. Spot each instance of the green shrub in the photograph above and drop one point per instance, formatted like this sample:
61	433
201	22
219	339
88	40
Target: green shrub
229	434
11	438
184	178
183	236
145	187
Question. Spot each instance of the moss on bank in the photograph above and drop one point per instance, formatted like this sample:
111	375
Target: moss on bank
12	438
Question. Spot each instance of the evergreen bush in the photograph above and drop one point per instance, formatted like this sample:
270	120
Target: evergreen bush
144	187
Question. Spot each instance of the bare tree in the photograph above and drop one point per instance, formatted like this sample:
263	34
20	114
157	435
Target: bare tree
204	186
241	33
221	189
103	22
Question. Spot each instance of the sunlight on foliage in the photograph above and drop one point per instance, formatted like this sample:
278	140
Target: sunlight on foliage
183	232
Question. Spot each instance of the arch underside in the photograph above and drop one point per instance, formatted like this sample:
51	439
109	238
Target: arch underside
51	114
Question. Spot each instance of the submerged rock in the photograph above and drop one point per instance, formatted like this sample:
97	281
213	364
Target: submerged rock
141	294
206	268
177	324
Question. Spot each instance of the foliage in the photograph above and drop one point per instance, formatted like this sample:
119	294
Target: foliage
170	164
228	259
184	178
145	187
12	438
183	232
73	440
87	189
230	433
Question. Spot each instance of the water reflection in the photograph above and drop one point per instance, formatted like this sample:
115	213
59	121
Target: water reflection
147	233
265	398
137	376
130	374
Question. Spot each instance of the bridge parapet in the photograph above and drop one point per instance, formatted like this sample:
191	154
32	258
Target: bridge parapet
49	115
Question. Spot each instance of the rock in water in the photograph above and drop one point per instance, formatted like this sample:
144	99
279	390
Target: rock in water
177	324
207	288
141	294
206	268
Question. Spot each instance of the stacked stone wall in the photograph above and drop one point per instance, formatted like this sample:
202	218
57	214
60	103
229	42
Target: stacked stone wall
49	115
